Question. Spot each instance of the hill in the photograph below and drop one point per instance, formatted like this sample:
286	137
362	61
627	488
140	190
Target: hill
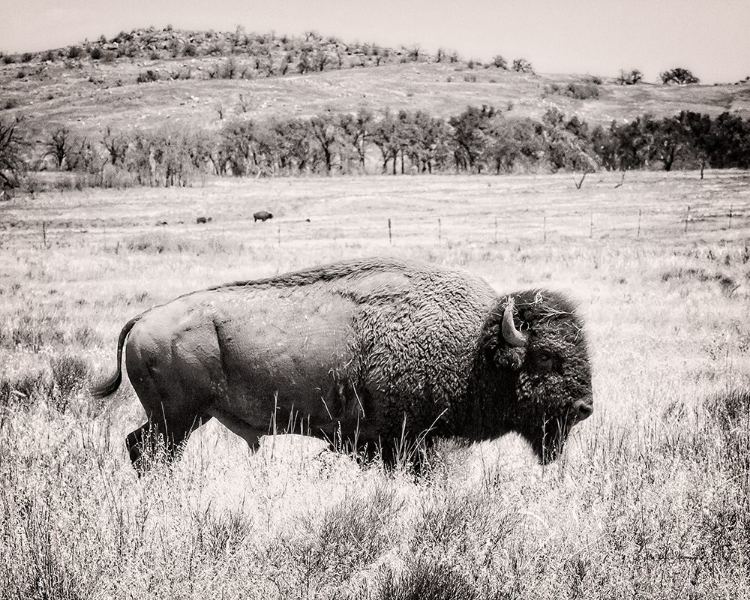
144	78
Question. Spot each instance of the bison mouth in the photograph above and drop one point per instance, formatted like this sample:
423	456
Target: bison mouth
547	433
548	438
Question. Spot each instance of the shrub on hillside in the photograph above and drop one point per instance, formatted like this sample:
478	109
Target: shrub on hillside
577	90
499	62
147	76
129	49
678	76
96	53
582	91
521	65
27	57
630	77
74	52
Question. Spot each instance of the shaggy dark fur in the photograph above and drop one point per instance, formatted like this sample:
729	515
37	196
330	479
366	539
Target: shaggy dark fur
541	385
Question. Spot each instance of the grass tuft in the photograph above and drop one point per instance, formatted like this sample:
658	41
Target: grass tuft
424	579
26	390
70	375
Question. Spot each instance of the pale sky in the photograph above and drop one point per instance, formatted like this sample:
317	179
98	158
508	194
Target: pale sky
599	37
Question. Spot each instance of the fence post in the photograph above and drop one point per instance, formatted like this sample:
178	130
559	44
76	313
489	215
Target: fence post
731	206
687	219
496	230
591	226
279	235
44	234
440	233
545	229
639	223
390	236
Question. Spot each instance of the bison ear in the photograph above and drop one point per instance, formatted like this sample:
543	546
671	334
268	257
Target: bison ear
504	342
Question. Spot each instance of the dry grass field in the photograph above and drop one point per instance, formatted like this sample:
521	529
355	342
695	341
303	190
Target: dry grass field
650	499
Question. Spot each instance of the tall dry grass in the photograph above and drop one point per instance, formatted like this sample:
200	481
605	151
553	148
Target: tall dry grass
650	499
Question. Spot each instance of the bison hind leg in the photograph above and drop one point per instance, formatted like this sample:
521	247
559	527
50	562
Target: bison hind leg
154	443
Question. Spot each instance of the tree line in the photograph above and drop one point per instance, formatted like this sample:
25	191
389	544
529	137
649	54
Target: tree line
478	140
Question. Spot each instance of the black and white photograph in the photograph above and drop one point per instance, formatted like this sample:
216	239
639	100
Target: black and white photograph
374	301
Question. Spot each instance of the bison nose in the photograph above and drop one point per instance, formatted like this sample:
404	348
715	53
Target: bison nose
583	409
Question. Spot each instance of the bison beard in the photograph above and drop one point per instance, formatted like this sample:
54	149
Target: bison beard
373	350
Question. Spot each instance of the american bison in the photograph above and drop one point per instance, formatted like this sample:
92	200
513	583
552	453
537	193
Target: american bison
262	215
372	350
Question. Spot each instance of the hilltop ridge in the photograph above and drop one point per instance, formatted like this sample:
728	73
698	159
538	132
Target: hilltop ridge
258	54
148	77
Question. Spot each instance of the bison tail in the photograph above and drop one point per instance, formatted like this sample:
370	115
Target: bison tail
109	386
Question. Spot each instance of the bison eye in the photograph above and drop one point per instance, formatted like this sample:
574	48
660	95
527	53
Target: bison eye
545	359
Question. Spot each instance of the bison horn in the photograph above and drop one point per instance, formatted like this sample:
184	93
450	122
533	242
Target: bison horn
510	333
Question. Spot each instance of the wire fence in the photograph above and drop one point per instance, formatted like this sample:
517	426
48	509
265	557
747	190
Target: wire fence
550	227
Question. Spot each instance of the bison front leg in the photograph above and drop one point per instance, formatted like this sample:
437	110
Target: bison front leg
239	427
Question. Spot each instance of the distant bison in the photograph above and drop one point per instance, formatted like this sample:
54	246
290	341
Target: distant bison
204	220
262	215
374	351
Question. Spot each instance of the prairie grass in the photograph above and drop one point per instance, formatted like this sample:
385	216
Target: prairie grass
649	500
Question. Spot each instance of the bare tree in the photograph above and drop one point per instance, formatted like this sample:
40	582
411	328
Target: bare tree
12	164
356	130
386	135
324	130
83	157
116	145
59	145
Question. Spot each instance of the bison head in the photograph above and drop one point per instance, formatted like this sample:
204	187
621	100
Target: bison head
536	340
